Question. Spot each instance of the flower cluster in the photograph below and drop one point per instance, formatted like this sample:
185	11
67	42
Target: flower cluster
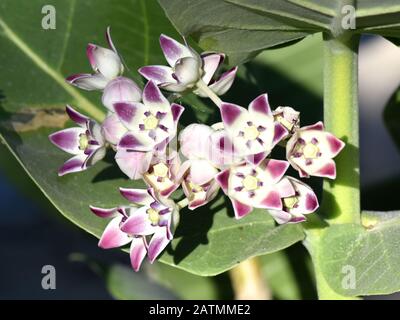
233	155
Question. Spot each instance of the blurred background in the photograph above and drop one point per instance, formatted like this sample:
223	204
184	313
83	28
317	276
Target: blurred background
34	234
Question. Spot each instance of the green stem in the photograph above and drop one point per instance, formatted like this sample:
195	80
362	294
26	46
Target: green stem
341	197
183	203
202	86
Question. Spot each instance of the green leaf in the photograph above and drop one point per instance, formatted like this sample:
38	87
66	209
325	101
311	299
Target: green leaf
34	64
269	23
370	253
123	283
200	288
220	25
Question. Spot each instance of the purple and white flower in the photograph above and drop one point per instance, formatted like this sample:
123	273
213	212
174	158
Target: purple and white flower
259	186
148	224
197	172
106	64
296	206
310	151
150	123
253	132
187	68
120	89
113	129
162	174
288	117
85	142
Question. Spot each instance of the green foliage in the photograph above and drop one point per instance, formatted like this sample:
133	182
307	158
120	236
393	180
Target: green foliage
269	23
208	241
371	250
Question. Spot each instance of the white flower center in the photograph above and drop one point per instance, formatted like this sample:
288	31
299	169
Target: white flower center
285	122
83	141
290	202
153	216
251	133
250	183
150	123
310	151
195	191
160	170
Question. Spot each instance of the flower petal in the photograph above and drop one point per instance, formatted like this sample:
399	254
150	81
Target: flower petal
128	113
158	243
173	87
285	188
75	116
68	139
153	98
112	236
112	129
109	40
211	63
137	252
201	171
257	158
177	111
280	216
120	89
316	126
241	209
223	179
173	50
133	163
280	132
104	61
223	84
272	201
94	157
75	164
138	223
194	141
104	213
231	113
327	171
336	145
276	168
307	201
158	74
137	196
88	81
260	105
136	142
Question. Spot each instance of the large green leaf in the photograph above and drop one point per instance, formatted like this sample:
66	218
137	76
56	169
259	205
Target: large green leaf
33	65
123	283
370	253
221	25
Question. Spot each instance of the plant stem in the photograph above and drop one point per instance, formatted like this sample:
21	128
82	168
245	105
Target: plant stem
183	203
248	282
203	87
341	197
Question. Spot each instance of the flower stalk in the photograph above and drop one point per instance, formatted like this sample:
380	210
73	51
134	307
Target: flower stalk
341	198
248	282
211	94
